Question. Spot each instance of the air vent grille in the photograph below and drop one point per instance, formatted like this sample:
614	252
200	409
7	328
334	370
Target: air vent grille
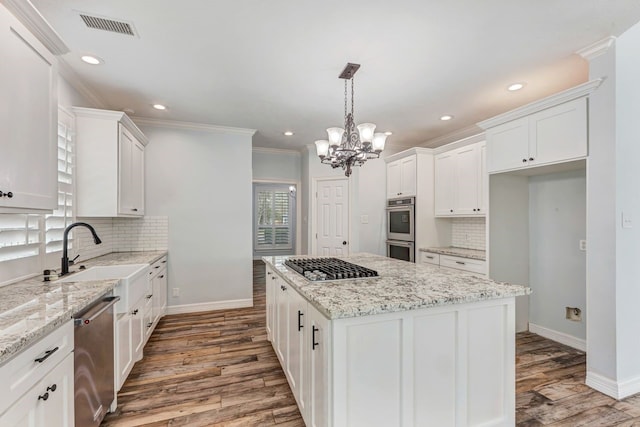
105	24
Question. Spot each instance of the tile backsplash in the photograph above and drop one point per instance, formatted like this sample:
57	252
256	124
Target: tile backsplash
468	233
121	235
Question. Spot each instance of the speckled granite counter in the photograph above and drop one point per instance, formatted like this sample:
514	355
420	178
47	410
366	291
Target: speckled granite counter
401	286
30	309
461	252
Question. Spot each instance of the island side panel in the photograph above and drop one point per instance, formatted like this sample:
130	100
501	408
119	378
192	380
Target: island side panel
446	366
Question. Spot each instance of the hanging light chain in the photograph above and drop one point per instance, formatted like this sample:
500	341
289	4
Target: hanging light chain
352	116
345	101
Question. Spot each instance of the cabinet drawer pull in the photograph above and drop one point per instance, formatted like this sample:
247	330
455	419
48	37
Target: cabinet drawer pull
157	266
149	296
460	262
162	277
135	209
273	278
164	262
43	396
429	257
313	337
46	355
300	325
52	388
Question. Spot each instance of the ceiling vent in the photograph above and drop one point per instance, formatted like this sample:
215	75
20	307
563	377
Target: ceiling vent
106	24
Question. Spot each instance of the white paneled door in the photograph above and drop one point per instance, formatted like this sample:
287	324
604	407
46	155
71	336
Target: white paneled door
332	218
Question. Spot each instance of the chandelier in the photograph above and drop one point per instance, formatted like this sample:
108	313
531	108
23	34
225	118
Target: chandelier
347	148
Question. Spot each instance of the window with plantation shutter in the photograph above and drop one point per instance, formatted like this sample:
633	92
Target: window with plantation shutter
63	215
19	236
273	217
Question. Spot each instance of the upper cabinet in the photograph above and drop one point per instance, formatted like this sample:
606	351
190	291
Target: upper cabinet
553	135
28	120
401	177
460	181
110	174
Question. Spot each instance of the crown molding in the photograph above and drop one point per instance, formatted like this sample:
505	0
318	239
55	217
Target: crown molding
268	150
579	91
409	152
176	124
471	131
112	115
31	18
596	49
76	82
474	139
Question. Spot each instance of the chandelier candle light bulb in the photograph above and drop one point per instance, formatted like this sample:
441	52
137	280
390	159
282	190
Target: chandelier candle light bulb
347	147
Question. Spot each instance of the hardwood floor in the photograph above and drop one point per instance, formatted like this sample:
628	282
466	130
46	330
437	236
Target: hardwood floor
218	369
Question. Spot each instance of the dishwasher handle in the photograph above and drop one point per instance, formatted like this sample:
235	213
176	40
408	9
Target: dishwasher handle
104	306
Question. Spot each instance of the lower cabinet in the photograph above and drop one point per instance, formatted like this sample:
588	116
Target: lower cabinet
40	393
440	366
454	262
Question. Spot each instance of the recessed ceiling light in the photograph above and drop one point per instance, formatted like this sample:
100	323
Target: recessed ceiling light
159	107
93	60
288	133
515	86
388	133
446	117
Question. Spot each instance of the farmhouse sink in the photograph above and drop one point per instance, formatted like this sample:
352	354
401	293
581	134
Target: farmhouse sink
125	273
133	281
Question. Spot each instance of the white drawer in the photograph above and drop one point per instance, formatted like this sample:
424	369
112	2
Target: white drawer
31	365
430	258
157	267
466	264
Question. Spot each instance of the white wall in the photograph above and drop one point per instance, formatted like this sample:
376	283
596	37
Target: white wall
557	275
277	166
201	180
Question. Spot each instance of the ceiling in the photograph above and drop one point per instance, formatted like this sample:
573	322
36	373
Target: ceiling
273	65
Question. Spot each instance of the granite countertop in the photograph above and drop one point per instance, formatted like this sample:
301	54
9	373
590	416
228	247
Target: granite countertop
32	308
401	286
461	252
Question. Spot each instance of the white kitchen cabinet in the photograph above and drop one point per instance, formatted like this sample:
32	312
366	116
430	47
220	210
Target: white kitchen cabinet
460	182
48	403
38	383
401	177
28	120
454	262
270	284
282	321
296	362
110	171
553	135
124	349
318	345
156	304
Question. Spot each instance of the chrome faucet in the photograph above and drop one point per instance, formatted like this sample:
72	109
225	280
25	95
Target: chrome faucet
65	244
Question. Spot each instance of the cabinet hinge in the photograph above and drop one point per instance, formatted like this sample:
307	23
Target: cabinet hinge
316	235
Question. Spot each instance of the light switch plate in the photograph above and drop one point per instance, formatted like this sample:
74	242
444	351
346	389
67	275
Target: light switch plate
364	219
583	245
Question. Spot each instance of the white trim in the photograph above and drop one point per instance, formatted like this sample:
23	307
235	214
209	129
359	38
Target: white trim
31	18
409	152
267	150
174	124
113	115
312	242
471	131
551	101
596	49
470	140
617	390
75	81
209	306
560	337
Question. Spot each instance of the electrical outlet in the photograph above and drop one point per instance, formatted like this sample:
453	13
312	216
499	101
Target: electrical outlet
583	245
176	292
573	313
364	219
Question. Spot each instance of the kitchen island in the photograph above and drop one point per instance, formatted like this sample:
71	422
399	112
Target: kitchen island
416	346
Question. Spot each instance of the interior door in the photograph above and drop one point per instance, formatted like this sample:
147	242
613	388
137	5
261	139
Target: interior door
332	219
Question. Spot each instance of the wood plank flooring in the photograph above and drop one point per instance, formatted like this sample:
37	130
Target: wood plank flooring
218	369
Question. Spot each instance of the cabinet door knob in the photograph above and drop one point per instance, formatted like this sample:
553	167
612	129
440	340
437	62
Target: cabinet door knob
135	312
524	160
135	209
149	324
52	388
43	396
149	296
8	194
451	210
531	159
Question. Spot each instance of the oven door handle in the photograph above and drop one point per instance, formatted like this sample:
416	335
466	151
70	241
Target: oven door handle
399	243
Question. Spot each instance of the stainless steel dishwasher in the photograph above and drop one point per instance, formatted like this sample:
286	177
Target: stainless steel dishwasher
93	362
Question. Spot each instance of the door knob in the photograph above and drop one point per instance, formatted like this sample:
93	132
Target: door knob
344	242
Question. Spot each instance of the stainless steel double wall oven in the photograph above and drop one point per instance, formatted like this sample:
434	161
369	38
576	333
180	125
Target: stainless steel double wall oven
401	228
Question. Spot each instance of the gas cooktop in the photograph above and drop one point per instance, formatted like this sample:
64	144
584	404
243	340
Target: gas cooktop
317	269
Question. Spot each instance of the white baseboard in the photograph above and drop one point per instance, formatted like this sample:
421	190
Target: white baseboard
209	306
560	337
617	390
